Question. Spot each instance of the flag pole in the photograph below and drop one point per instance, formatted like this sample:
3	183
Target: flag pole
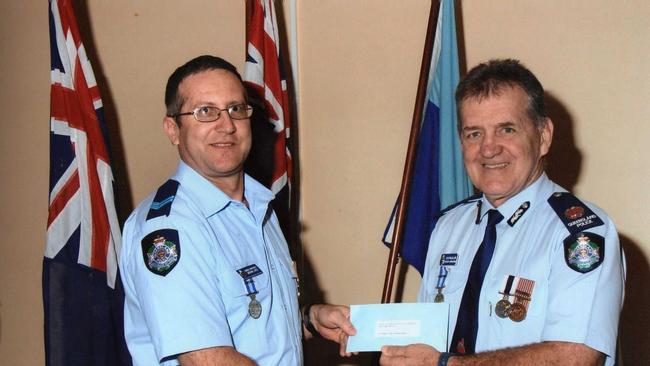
410	154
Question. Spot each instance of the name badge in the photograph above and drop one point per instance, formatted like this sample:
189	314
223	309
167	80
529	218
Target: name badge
449	259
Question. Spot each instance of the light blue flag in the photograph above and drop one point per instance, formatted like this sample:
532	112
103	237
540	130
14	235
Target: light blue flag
439	177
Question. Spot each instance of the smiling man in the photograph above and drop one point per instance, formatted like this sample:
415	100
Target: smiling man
532	274
207	274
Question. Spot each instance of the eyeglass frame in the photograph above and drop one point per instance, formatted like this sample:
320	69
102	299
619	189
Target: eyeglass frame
247	107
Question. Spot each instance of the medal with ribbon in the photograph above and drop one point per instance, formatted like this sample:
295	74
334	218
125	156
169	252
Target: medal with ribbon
503	306
442	276
248	274
446	259
523	295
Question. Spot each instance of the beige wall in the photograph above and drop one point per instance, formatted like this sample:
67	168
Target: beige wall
358	72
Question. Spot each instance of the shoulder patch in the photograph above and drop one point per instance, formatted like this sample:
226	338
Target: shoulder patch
161	251
575	215
584	251
162	202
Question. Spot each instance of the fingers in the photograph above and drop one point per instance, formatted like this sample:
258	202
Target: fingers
386	360
341	317
343	344
334	317
393	351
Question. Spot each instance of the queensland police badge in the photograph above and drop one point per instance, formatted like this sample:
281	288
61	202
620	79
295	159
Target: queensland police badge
584	251
161	251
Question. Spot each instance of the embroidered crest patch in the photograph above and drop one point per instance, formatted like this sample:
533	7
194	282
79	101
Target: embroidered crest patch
161	251
584	251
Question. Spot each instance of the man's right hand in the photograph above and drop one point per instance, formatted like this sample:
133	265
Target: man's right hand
411	355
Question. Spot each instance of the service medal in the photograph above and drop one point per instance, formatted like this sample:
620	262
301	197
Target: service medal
442	276
439	296
517	312
248	273
254	307
502	308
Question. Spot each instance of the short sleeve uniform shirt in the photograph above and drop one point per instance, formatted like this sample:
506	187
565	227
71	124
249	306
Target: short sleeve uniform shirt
192	262
569	263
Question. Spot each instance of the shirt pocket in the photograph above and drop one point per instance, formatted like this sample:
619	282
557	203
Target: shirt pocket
234	285
454	284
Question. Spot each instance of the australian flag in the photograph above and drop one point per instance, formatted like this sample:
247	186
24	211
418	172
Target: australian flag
270	161
439	178
82	296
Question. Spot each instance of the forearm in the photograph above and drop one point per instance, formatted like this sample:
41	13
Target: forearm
539	354
215	356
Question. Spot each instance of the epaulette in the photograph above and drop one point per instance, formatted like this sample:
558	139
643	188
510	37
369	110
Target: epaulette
584	251
467	200
162	202
575	215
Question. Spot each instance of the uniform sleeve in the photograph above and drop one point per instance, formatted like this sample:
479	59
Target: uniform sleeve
182	309
585	307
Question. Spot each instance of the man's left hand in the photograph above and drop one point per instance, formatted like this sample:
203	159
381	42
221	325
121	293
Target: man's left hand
333	323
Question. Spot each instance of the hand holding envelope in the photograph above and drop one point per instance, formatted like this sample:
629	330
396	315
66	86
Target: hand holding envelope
398	324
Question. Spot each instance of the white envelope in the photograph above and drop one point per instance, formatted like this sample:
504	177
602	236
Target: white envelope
398	324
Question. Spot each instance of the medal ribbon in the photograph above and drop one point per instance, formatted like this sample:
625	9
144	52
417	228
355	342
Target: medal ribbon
248	273
524	291
507	285
250	286
442	276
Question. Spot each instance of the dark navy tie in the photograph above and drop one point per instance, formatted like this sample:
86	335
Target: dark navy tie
464	339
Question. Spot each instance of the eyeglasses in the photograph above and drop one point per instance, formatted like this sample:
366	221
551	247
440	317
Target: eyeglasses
209	114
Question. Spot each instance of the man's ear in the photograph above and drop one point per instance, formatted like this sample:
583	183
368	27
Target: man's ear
172	130
546	137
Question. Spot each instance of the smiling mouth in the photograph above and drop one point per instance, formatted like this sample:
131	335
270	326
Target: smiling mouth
223	144
495	166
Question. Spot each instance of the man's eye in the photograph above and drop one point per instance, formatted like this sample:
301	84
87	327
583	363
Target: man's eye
204	111
236	108
472	135
508	130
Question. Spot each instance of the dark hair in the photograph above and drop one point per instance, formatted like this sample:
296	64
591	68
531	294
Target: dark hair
489	78
173	101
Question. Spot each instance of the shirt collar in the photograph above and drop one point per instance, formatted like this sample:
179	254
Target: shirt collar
212	200
515	208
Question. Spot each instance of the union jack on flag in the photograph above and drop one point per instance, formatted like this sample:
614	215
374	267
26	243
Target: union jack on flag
264	73
82	296
81	208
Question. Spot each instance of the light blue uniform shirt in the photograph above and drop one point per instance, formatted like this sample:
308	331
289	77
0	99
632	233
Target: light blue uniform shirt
566	305
202	302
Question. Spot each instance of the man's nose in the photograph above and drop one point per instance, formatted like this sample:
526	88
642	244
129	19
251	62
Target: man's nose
490	147
225	124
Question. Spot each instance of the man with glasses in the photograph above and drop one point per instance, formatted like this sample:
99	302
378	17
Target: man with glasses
532	274
207	273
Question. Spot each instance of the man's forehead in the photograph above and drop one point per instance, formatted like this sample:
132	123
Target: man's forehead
496	92
511	99
214	81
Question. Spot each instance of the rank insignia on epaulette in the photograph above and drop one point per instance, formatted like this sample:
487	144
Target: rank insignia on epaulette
584	251
162	202
574	212
575	215
161	251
